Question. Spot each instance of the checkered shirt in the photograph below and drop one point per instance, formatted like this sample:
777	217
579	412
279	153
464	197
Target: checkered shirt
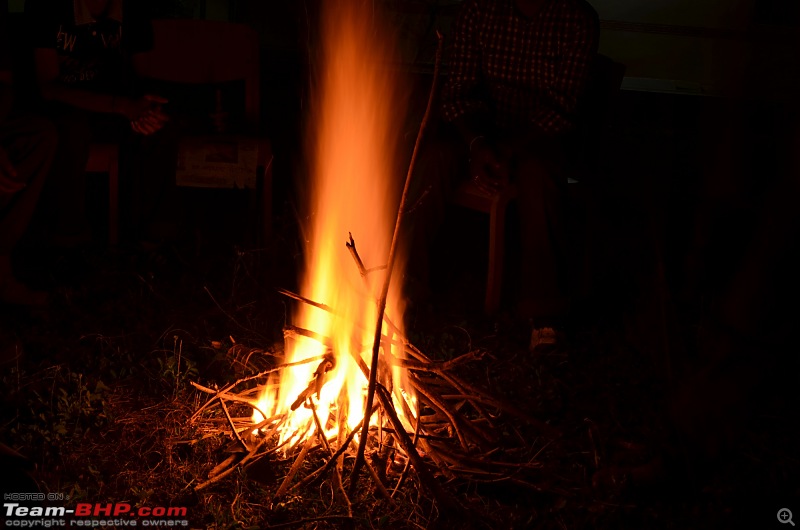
520	71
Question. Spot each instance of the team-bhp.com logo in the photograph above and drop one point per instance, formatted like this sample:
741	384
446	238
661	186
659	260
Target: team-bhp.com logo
93	515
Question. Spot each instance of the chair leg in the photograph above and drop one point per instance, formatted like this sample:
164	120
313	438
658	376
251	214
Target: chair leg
113	199
494	277
266	203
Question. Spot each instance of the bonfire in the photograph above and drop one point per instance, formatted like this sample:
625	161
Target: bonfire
350	384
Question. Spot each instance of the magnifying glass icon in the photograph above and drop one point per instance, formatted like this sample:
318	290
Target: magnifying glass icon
785	516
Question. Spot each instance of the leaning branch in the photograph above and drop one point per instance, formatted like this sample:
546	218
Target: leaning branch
373	373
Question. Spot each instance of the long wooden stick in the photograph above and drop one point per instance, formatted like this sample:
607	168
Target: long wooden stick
376	346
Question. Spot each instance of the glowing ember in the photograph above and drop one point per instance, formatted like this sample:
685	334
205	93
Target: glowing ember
355	188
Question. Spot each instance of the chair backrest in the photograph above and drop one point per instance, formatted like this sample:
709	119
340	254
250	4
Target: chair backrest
206	52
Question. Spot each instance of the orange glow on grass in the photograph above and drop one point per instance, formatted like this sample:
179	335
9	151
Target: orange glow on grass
354	189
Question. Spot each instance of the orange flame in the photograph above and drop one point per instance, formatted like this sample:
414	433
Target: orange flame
355	188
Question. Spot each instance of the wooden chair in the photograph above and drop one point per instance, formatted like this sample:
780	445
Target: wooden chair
470	196
604	84
205	52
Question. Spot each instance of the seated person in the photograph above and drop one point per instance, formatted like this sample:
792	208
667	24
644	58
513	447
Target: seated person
517	70
85	52
27	145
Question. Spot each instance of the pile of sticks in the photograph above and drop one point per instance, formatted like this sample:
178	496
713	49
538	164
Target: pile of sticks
453	423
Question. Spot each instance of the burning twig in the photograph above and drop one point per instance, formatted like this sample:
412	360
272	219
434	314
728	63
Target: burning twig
351	246
277	368
305	300
314	387
290	332
320	431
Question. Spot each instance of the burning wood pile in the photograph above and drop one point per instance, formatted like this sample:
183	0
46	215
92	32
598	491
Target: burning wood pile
351	384
436	424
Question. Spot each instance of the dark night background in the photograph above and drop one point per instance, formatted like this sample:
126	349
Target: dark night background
704	130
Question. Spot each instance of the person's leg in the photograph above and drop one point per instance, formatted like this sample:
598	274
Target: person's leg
62	209
31	143
542	195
